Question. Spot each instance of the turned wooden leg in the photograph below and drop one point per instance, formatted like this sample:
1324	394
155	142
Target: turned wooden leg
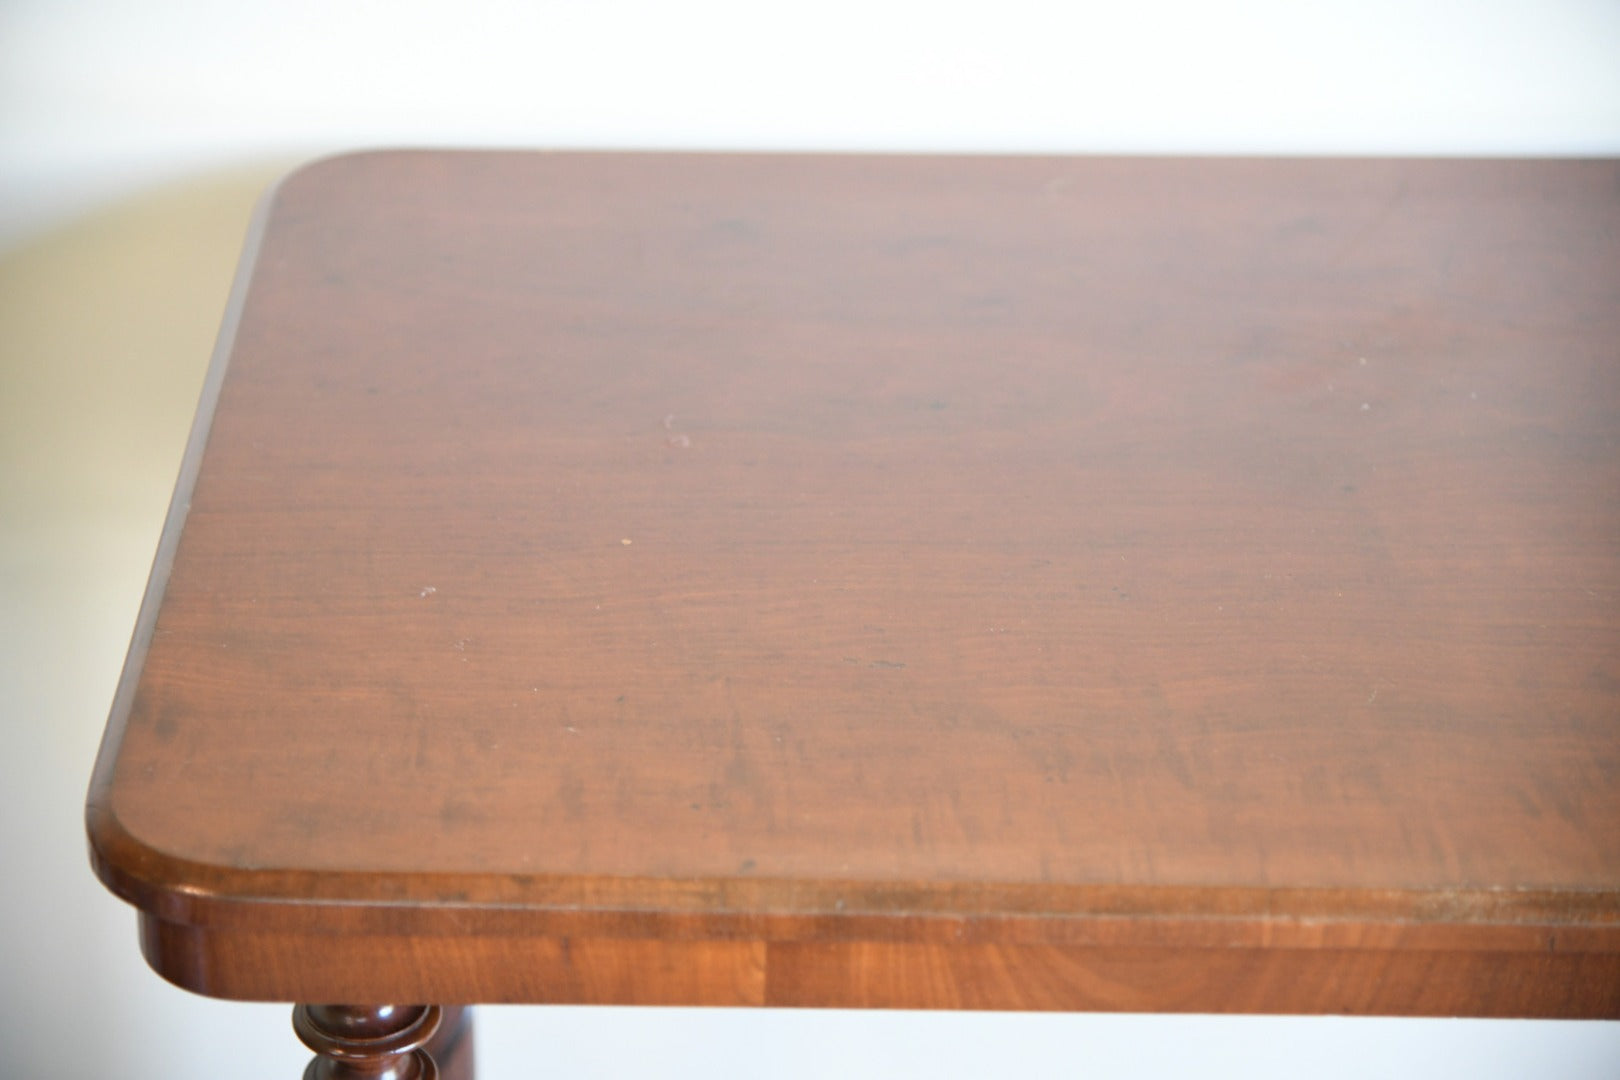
368	1042
452	1047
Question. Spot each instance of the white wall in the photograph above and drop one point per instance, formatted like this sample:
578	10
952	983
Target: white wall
104	326
96	94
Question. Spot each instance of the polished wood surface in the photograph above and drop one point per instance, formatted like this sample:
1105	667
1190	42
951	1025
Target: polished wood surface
451	1048
368	1042
980	582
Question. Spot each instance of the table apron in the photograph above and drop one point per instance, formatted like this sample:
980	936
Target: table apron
292	966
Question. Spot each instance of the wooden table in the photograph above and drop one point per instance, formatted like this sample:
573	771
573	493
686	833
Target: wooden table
979	583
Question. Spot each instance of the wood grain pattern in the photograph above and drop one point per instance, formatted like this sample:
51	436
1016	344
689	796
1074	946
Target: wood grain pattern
278	966
877	557
1344	979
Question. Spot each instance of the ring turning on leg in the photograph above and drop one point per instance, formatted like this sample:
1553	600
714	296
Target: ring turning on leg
368	1042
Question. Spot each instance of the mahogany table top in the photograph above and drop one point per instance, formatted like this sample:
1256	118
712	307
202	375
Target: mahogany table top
802	579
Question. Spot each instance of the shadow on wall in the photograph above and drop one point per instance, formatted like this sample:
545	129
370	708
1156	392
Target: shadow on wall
106	327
